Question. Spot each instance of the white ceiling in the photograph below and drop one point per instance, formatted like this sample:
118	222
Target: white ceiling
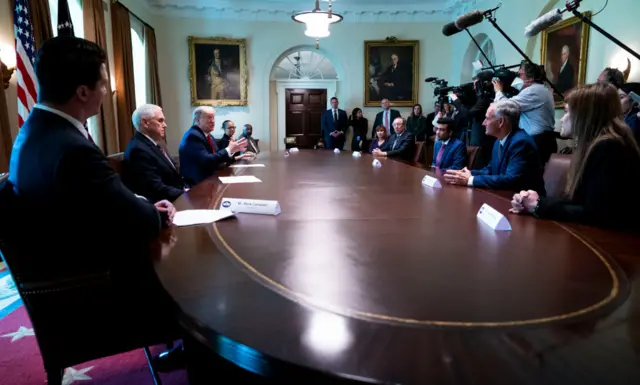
352	10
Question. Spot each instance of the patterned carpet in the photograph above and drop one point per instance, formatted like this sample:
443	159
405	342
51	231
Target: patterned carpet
20	361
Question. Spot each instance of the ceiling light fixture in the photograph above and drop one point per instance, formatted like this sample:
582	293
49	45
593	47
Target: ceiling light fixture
317	21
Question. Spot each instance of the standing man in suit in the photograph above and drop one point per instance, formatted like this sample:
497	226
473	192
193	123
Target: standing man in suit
566	75
334	125
199	155
147	169
94	226
515	163
385	118
400	145
449	152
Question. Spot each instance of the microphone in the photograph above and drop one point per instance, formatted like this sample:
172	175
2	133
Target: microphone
543	22
463	22
429	80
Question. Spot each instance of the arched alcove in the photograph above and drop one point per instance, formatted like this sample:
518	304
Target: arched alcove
300	67
473	54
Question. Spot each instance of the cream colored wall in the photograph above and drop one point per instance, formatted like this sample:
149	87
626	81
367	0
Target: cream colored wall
268	40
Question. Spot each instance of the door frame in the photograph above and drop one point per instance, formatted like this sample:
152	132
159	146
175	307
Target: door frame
282	85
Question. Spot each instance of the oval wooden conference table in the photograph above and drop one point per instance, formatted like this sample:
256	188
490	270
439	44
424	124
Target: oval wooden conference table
369	276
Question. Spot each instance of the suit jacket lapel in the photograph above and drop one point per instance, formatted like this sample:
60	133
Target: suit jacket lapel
505	148
156	150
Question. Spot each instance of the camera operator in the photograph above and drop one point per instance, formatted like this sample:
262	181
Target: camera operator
537	108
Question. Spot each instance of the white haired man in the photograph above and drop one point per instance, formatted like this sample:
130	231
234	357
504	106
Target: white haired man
147	168
199	155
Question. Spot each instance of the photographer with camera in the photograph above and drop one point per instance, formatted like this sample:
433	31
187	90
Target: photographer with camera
537	108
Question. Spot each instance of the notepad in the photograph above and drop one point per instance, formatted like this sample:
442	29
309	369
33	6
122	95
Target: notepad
198	217
246	165
239	179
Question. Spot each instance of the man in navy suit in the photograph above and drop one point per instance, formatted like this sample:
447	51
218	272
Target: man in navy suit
334	125
199	155
94	226
400	145
147	168
449	152
385	118
515	163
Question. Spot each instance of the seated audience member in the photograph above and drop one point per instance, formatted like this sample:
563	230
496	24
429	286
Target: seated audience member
613	76
360	126
400	145
380	139
94	225
630	107
604	175
514	163
252	144
449	153
199	155
417	123
147	168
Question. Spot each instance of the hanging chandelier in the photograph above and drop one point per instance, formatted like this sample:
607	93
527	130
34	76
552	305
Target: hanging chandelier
317	21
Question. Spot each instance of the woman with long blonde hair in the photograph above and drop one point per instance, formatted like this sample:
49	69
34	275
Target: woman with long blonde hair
604	175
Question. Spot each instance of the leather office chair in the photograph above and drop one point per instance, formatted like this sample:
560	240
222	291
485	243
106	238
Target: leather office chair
555	174
472	156
115	161
75	319
419	153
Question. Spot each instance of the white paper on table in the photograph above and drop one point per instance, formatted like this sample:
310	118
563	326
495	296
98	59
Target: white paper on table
246	165
239	179
197	217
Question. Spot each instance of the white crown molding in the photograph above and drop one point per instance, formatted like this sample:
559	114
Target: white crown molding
260	12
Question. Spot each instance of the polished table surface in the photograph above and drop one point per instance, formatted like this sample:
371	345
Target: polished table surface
368	274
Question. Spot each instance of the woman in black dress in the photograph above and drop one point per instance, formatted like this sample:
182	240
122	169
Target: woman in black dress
360	126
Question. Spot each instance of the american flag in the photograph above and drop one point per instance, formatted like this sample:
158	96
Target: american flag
25	57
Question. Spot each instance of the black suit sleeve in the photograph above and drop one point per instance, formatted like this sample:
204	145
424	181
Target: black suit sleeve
198	151
604	202
143	174
84	172
404	149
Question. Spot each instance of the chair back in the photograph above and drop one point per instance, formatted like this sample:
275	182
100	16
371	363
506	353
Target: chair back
115	161
419	153
555	174
472	156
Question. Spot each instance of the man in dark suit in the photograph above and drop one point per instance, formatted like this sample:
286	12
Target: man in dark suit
334	126
566	75
147	168
385	118
93	226
199	155
515	163
400	145
449	153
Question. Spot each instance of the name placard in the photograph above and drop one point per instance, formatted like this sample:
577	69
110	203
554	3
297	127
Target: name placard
336	150
250	206
293	149
493	218
356	154
431	181
376	163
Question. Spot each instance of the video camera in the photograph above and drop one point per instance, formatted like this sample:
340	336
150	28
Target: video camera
485	78
464	92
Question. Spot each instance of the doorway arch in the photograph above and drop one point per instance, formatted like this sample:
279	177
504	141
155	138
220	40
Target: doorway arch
473	54
303	67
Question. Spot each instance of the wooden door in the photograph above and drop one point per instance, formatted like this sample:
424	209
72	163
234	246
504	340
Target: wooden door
304	111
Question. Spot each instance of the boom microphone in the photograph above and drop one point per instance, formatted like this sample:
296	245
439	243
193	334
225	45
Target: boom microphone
462	22
543	22
429	80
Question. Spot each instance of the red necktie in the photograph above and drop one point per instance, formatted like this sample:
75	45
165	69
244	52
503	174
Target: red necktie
213	146
90	138
439	157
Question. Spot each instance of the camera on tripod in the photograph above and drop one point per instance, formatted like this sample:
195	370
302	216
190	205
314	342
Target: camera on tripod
464	92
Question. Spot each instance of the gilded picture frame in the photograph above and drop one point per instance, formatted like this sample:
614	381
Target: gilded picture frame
568	38
218	72
391	69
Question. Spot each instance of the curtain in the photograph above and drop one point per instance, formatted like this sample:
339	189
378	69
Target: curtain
95	30
155	96
41	19
123	68
5	130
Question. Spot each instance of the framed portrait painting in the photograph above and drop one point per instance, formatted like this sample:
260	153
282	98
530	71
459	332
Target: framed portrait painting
564	49
218	71
391	69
